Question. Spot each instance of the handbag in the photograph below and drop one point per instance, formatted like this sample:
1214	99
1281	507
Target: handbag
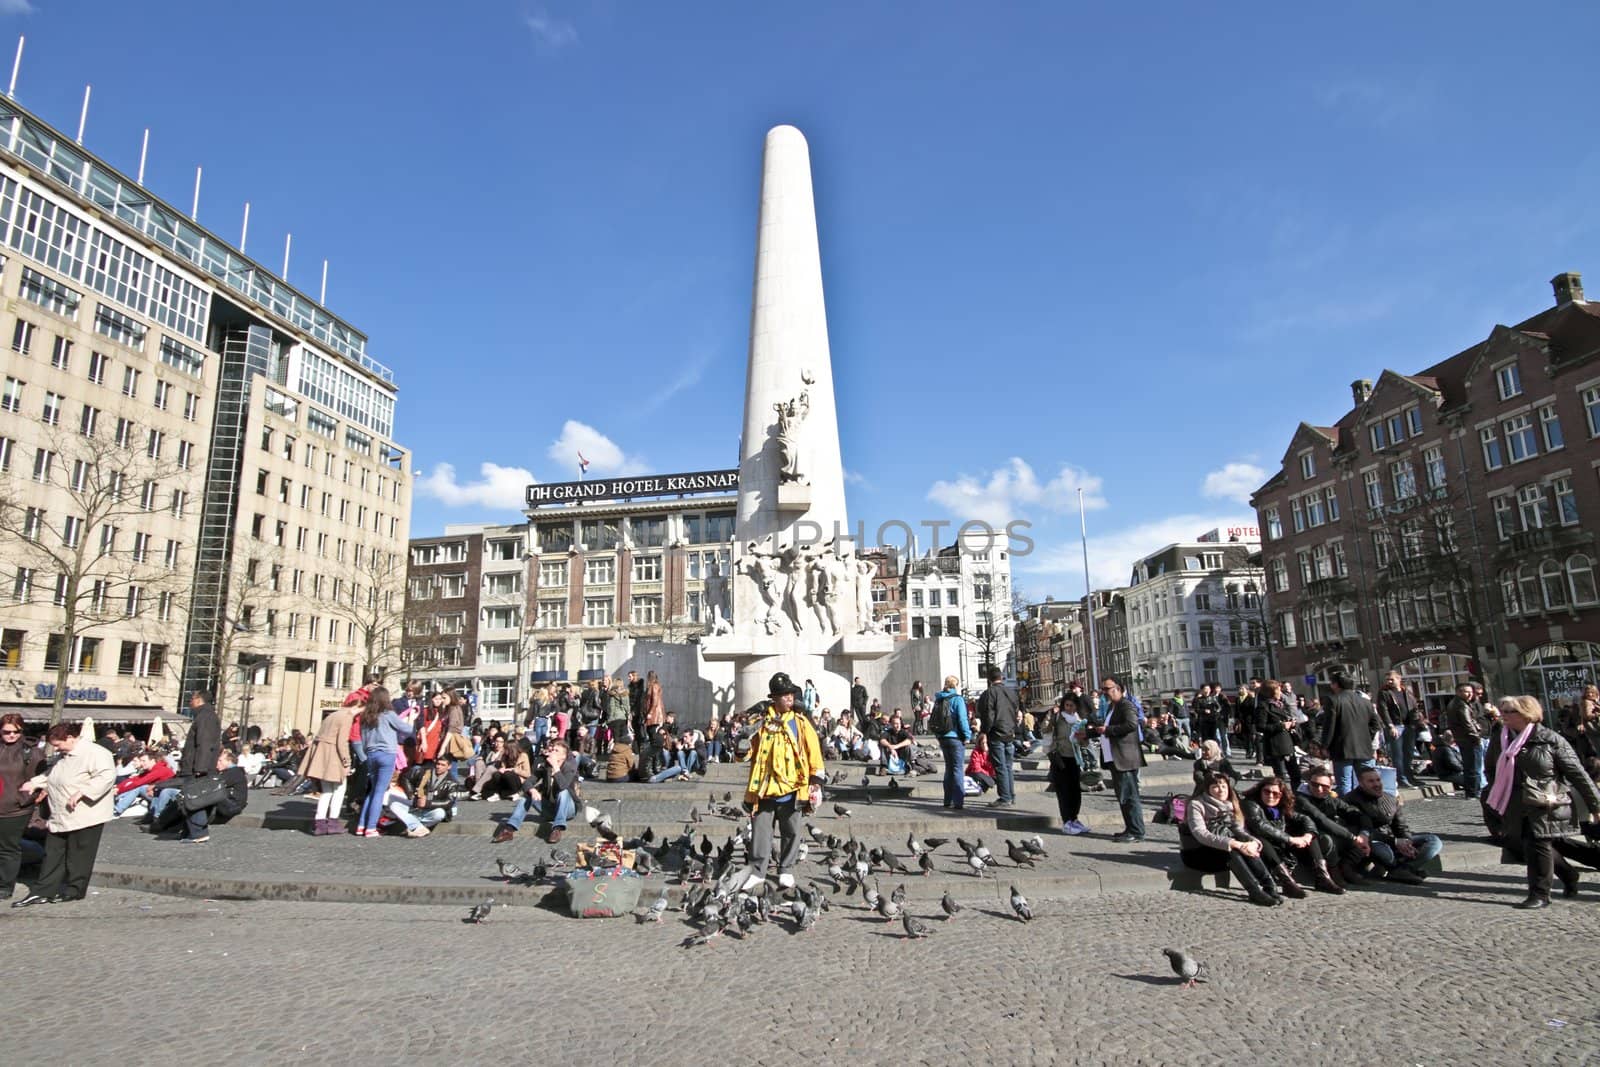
456	746
198	793
1547	795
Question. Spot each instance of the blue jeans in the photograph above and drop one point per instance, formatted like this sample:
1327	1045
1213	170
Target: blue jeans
195	823
955	767
430	817
541	727
714	750
1128	800
1395	747
1471	766
556	812
675	769
124	801
380	771
1428	846
1002	753
167	795
1345	771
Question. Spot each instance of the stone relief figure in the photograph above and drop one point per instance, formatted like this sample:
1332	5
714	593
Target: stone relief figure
835	568
763	567
790	416
866	622
819	585
793	562
719	610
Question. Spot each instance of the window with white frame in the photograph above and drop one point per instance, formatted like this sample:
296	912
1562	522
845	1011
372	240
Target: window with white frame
647	568
1413	416
1297	511
1274	523
1404	480
1505	516
646	610
1508	380
498	653
451	623
600	571
452	585
501	550
1340	567
594	655
502	618
549	656
1521	443
1314	514
552	614
552	572
1374	486
1433	466
497	694
1280	576
598	611
1308	465
1591	409
1379	436
1566	501
1550	428
1330	496
1532	510
502	584
1494	456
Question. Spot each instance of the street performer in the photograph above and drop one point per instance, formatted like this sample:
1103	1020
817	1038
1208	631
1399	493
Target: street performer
786	779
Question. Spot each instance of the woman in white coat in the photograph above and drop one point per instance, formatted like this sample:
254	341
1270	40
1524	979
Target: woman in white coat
80	786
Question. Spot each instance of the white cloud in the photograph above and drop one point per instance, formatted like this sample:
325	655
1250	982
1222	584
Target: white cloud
497	487
856	478
16	7
603	454
1113	554
1233	481
1007	492
548	30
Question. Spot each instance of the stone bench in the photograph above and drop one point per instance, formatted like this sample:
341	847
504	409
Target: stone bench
1189	880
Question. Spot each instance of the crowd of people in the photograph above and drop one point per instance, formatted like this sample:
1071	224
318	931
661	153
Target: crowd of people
1321	811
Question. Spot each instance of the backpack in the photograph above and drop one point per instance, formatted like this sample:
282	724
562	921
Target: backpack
939	717
1173	810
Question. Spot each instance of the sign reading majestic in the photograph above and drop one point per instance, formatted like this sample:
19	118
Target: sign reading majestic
644	485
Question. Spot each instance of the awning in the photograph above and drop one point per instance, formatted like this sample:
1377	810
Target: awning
103	714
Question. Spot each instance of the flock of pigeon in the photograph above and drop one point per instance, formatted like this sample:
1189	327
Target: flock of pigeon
717	903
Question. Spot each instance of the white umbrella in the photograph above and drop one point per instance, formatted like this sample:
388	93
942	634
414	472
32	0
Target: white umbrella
155	731
86	731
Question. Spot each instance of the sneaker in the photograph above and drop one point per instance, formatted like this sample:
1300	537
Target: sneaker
195	840
752	883
492	798
785	880
421	831
135	811
1074	827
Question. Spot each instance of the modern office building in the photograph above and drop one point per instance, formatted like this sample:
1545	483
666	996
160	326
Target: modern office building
196	460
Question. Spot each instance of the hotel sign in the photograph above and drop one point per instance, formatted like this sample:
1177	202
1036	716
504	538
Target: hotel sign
644	485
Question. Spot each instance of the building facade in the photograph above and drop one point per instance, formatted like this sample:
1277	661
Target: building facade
1039	632
1440	526
197	474
1195	616
964	591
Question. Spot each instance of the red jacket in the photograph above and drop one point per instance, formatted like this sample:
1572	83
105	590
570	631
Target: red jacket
979	763
159	773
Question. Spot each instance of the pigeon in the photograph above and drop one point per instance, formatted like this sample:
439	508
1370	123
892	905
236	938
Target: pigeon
642	863
705	846
916	847
745	921
866	795
836	872
815	834
983	853
694	815
875	856
899	894
656	910
705	936
480	912
1020	856
510	871
949	905
727	798
889	908
894	787
1184	966
915	928
711	801
808	917
841	811
539	873
891	861
648	838
1019	904
866	781
976	864
935	843
601	825
925	861
1035	846
871	896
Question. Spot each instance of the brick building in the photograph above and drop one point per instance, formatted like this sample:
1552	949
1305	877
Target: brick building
1440	526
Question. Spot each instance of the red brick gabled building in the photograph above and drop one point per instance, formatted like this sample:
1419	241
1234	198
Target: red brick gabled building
1438	527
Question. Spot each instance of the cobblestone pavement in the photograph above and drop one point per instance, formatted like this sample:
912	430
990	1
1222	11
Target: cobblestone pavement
1444	975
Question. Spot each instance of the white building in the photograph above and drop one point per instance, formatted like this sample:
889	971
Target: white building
964	591
1195	616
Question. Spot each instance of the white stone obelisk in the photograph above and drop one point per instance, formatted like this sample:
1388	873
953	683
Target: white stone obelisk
789	359
793	576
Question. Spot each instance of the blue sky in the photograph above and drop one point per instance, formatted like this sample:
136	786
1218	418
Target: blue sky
1063	244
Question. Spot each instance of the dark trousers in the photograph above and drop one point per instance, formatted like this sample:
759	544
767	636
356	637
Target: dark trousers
1547	860
1069	789
954	768
502	783
11	851
68	862
1287	768
1310	856
1127	783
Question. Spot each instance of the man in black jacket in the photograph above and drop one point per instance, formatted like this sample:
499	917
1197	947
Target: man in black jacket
997	715
1349	725
1346	851
636	703
201	745
233	793
858	703
1401	853
552	789
1401	713
1127	756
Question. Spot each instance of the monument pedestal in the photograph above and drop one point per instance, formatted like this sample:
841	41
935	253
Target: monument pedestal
794	497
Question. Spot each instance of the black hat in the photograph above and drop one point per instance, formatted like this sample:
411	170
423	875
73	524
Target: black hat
781	684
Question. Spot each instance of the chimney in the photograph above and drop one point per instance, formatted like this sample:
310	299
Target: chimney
1568	287
1361	390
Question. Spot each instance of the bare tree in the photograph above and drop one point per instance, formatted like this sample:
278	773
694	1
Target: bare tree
104	567
1249	631
372	600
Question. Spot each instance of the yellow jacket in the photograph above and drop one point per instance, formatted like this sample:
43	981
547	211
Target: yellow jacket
785	757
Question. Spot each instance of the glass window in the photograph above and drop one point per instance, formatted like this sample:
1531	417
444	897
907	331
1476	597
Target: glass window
647	568
1531	508
719	526
1521	443
555	536
1299	514
1550	423
1553	583
1493	456
1591	410
598	535
1314	514
1340	567
594	655
1397	429
1580	576
1413	420
1508	593
1505	517
1308	465
1509	380
1380	437
1374	484
552	614
549	656
600	571
552	572
647	532
1404	479
1331	496
646	610
597	611
1274	524
1433	467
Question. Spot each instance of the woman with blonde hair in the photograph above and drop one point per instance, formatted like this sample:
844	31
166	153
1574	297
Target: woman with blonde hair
1532	771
